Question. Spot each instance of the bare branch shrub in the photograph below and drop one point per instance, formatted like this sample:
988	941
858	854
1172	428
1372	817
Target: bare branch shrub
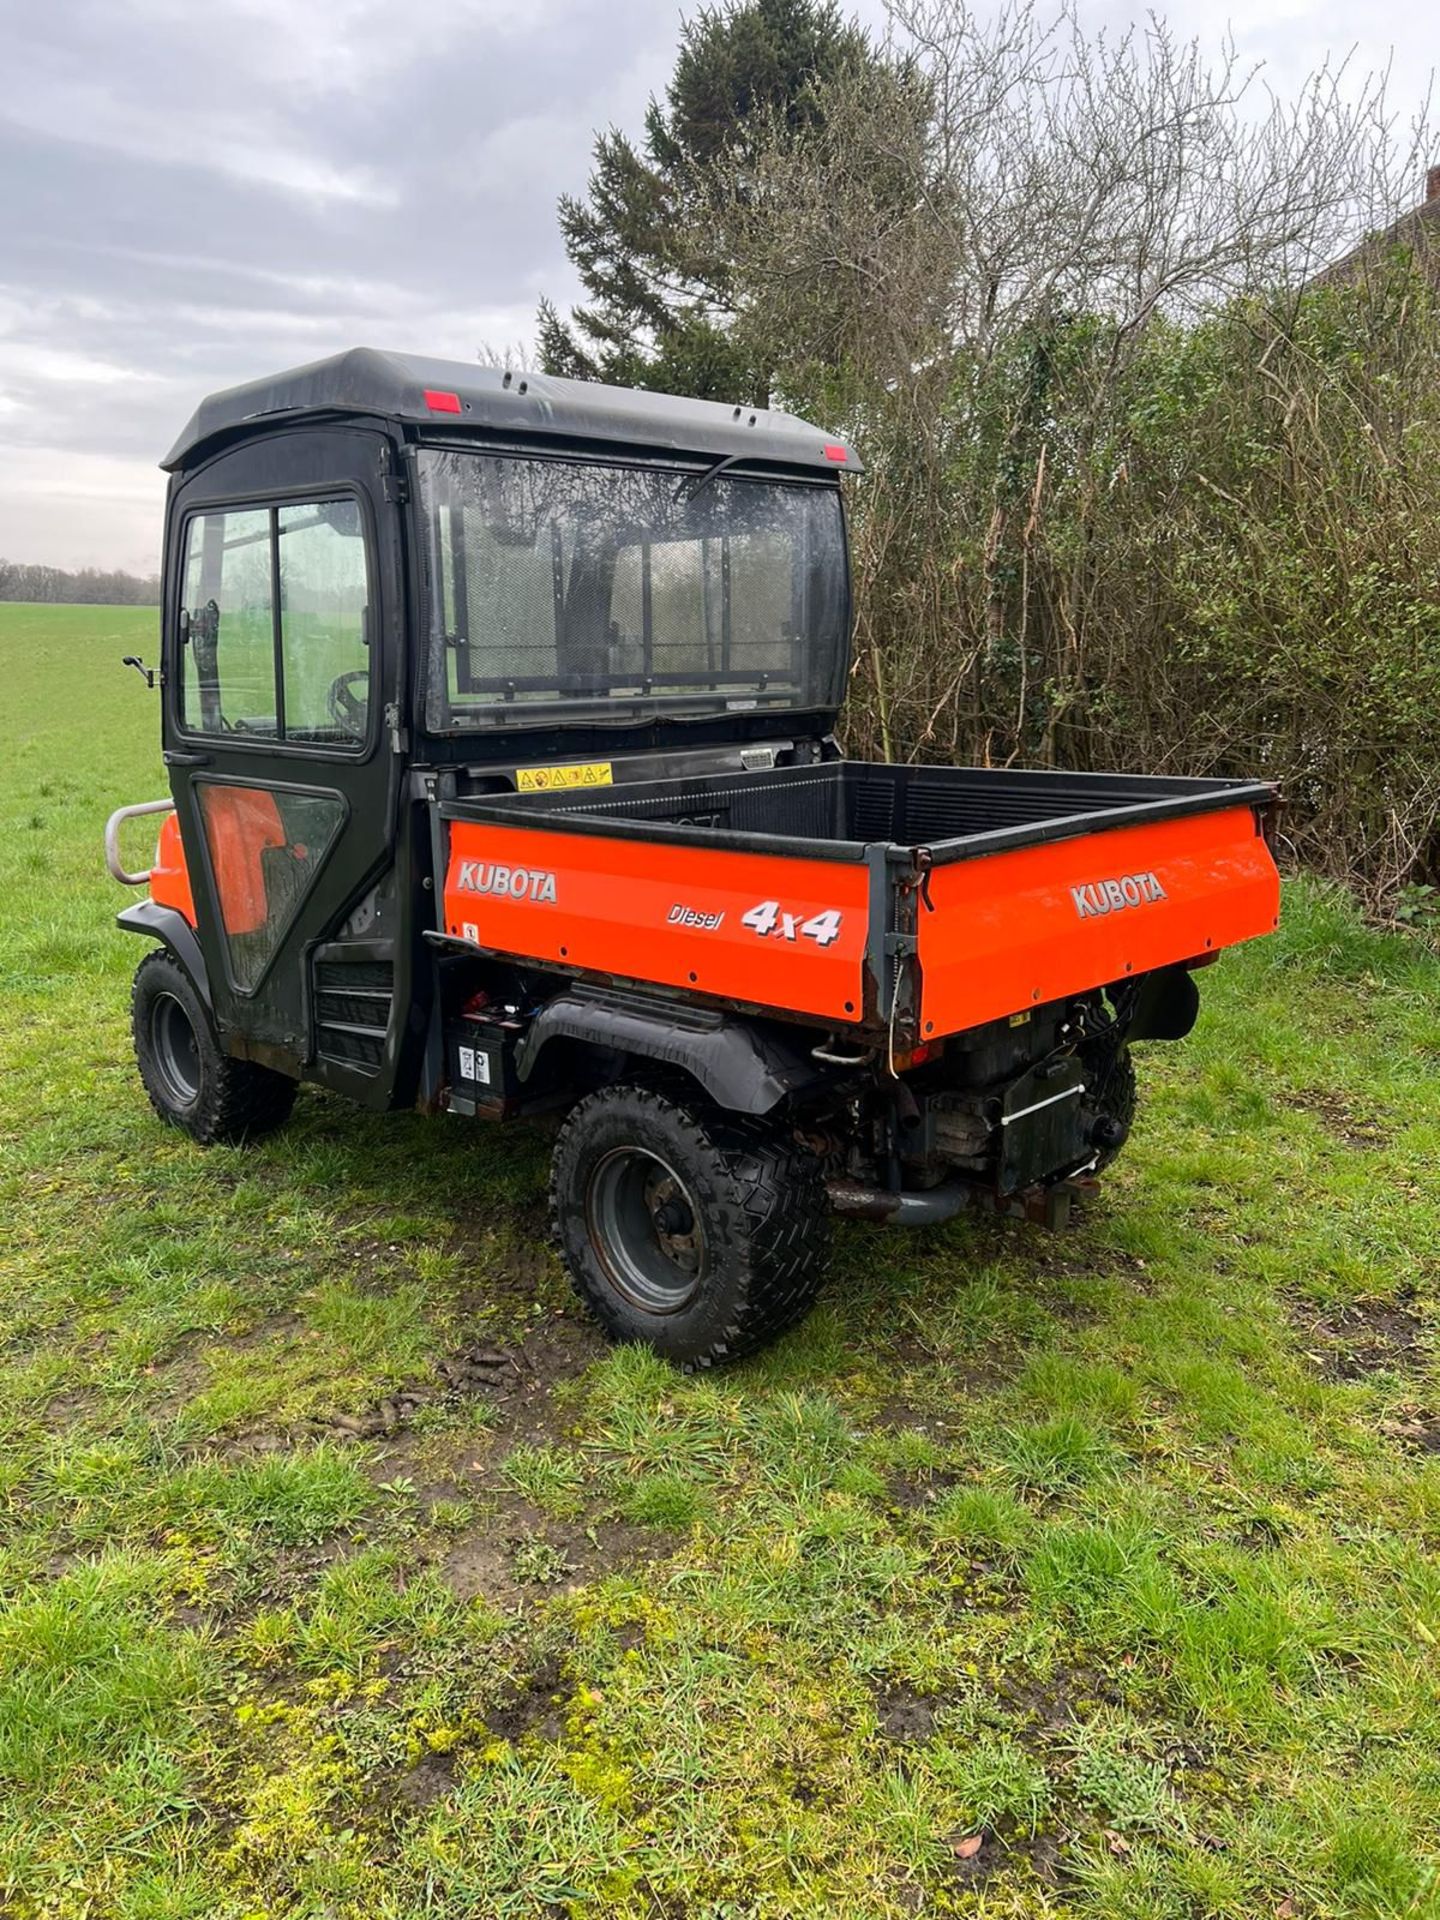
1145	485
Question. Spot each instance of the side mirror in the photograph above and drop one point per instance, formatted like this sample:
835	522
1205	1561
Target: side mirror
150	675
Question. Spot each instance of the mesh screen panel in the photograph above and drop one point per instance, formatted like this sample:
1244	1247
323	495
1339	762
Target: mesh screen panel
603	589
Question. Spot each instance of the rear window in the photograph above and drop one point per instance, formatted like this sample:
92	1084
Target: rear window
601	592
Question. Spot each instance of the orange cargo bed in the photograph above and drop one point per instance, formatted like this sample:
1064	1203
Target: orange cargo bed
923	900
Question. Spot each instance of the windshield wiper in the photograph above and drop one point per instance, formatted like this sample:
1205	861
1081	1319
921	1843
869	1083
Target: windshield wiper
710	473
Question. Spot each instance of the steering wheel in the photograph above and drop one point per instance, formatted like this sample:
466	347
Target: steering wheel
349	714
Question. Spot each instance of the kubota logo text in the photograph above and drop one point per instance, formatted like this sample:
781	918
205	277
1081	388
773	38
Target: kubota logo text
507	883
1113	896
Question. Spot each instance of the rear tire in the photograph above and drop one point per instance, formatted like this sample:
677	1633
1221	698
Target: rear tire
192	1084
1112	1069
698	1233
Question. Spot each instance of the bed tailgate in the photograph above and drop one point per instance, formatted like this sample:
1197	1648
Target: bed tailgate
766	929
1009	930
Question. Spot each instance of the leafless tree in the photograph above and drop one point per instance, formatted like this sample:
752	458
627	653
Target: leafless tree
1127	498
1013	164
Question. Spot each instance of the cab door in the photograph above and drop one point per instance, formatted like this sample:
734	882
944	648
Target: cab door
283	612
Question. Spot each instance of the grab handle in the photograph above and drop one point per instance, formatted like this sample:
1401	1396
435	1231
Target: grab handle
112	839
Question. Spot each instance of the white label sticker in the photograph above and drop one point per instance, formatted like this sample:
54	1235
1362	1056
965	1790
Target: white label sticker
475	1065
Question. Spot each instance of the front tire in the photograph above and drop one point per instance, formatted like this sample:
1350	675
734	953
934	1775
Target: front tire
698	1233
191	1082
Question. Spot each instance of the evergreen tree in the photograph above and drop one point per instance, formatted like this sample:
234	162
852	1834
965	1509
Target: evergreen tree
658	301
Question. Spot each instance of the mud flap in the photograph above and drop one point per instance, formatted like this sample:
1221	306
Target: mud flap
1165	1007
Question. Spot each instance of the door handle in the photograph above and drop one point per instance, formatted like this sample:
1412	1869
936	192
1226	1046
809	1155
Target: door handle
173	757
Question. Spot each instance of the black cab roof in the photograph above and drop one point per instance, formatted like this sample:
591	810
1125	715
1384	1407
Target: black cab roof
455	393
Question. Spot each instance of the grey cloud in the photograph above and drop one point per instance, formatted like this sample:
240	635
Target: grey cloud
192	194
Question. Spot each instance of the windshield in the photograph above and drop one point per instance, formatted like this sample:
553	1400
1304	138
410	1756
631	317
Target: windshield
600	592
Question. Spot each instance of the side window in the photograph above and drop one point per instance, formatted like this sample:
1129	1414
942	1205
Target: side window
324	596
228	683
276	624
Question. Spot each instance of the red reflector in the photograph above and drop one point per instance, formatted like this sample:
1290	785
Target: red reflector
442	402
836	453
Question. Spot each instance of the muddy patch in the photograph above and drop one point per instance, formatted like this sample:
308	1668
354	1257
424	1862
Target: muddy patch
914	1492
1038	1708
1369	1336
1035	1709
533	1707
894	1415
508	1551
906	1718
983	1860
521	1267
555	1352
477	1567
520	1555
1026	1856
1351	1125
429	1780
518	1380
1416	1430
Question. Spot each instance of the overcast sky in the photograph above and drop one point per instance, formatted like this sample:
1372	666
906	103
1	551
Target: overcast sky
194	192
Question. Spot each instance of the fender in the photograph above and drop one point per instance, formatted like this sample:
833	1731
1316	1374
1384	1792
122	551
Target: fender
170	927
742	1067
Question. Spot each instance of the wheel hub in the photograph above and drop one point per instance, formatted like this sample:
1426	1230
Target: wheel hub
176	1050
645	1230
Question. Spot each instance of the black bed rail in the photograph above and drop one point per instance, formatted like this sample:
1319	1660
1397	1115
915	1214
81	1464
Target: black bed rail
835	811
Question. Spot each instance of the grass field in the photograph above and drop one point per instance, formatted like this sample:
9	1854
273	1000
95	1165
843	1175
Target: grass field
1115	1552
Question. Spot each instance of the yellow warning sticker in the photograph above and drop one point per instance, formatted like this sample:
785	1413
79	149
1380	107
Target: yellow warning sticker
593	773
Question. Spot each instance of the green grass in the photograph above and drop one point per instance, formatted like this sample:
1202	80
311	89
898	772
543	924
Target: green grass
1117	1550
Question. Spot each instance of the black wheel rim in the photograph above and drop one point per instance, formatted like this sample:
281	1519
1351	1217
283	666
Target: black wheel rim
645	1229
175	1050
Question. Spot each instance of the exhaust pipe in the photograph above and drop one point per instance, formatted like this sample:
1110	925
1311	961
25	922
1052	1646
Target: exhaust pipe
1044	1206
926	1208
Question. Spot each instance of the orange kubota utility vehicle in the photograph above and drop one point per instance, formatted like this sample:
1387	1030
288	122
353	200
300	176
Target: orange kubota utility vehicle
499	715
